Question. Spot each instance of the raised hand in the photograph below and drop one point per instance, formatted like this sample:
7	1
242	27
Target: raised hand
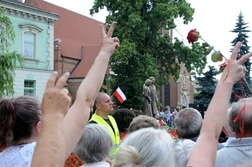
56	99
235	69
109	43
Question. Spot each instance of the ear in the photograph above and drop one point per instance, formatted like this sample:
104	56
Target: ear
38	127
97	106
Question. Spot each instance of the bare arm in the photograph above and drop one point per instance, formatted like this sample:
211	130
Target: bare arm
204	152
78	114
50	148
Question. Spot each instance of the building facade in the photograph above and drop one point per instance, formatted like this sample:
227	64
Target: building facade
34	30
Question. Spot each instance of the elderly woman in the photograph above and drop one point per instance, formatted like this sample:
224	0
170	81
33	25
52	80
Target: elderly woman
94	146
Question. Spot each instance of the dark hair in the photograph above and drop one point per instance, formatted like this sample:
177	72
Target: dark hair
123	118
18	117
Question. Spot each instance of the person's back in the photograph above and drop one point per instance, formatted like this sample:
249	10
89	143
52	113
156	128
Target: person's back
238	150
18	155
19	129
183	149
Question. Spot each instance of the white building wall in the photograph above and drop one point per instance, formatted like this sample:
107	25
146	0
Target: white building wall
40	77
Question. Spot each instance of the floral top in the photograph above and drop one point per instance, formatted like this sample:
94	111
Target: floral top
20	155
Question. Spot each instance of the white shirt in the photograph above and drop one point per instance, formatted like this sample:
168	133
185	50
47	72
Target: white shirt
97	164
17	156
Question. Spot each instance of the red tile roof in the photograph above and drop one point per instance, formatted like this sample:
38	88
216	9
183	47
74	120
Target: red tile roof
76	30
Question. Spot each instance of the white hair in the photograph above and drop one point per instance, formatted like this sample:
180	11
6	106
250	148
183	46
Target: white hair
183	149
147	147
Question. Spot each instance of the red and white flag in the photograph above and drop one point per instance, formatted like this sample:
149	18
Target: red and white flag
120	95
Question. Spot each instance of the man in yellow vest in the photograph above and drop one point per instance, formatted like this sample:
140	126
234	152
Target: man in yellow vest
104	106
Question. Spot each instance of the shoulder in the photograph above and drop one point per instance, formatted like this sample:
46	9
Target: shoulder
18	155
92	122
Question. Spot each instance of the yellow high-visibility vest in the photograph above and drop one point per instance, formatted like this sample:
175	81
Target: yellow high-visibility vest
115	136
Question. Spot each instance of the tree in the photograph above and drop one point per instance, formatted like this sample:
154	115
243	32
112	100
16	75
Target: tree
146	49
206	86
241	29
8	60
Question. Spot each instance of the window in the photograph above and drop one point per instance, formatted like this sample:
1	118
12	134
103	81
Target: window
29	45
30	36
29	87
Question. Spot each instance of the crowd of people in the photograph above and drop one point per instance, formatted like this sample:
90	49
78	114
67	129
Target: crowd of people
33	134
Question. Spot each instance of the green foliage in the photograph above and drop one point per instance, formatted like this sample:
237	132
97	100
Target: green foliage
206	86
8	60
143	27
241	29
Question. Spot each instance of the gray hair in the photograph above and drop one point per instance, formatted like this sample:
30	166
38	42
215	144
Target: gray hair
146	147
142	121
236	108
188	123
183	149
94	144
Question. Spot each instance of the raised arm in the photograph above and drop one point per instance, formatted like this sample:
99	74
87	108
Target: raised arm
78	114
50	148
204	152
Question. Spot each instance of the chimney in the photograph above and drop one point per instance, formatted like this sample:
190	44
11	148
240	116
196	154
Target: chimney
31	2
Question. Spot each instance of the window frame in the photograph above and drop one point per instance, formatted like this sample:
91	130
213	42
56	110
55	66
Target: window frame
28	28
30	88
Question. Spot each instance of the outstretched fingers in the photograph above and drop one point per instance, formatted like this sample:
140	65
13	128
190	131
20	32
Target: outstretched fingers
52	79
244	58
61	82
235	51
103	30
111	29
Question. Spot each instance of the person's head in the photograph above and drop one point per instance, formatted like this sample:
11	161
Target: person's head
19	120
103	103
188	123
167	108
183	149
147	82
94	144
123	118
143	121
146	147
241	111
152	79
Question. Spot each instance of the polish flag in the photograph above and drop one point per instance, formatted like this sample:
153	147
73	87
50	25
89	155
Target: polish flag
120	95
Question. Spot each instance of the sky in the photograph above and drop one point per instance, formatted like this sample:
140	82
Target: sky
214	19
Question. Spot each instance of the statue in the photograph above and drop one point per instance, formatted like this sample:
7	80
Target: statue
147	99
153	96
